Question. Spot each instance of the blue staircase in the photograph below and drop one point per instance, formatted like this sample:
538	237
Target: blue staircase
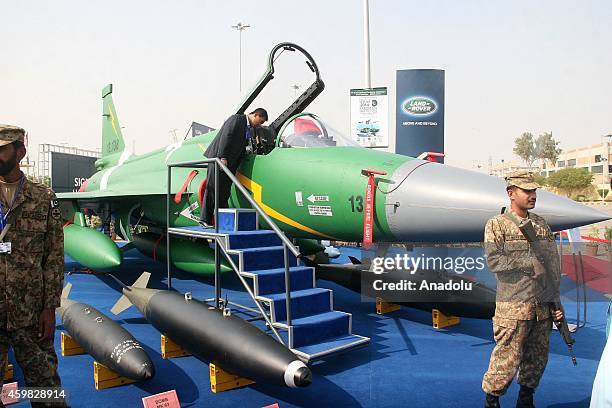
316	329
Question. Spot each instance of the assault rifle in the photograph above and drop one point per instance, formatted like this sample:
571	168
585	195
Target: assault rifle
526	227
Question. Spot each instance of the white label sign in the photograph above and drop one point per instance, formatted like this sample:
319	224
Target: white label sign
298	199
320	210
313	198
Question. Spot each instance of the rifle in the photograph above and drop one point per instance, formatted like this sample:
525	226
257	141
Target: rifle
526	227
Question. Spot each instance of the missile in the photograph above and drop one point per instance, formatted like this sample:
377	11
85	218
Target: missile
214	337
104	339
91	248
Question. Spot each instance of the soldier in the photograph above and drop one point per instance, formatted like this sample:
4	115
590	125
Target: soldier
526	283
31	267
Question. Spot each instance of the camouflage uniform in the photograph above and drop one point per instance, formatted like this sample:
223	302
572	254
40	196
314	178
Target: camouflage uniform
522	321
32	277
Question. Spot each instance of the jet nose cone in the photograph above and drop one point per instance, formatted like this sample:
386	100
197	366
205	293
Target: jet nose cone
562	213
435	202
297	375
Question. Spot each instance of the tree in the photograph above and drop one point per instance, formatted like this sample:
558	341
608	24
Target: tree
546	148
524	147
540	179
570	180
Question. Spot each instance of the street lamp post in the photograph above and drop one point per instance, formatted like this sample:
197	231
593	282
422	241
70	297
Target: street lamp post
295	88
240	28
366	42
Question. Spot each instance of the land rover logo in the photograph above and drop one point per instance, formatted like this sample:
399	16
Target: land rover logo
419	105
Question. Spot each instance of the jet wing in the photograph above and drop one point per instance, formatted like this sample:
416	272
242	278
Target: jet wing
93	195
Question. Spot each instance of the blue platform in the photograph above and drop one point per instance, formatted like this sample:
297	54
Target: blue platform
407	364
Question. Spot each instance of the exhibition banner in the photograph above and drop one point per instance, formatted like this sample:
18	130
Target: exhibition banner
370	117
419	108
198	129
69	171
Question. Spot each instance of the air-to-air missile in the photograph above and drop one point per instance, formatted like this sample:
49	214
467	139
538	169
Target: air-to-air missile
214	336
308	178
104	339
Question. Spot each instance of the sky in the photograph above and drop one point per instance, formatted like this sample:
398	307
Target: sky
510	66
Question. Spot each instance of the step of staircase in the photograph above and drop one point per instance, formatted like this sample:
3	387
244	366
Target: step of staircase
304	303
313	329
268	281
253	259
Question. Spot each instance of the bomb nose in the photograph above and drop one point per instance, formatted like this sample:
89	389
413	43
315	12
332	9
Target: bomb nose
147	372
302	377
297	375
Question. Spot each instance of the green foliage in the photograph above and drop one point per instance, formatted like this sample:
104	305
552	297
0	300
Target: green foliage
540	179
570	180
524	147
546	147
530	149
608	233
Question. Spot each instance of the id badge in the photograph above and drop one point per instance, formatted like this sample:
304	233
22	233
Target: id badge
5	247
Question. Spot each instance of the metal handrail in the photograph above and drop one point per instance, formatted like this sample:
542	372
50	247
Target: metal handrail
241	188
249	291
287	244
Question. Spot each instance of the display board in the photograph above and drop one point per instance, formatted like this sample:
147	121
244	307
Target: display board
419	108
69	171
370	117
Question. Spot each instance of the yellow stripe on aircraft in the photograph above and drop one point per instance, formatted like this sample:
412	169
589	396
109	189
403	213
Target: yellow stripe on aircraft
257	190
110	111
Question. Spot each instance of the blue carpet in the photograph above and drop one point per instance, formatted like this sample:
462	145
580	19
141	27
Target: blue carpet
408	363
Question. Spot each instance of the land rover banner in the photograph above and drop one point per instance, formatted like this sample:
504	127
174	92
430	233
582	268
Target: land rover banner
419	108
370	117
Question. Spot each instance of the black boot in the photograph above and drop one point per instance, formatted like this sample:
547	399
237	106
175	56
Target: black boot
492	401
525	398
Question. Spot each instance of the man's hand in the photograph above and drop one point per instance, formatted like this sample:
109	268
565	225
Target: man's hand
46	325
557	315
224	161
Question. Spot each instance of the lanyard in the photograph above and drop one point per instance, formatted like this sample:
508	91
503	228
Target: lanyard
4	216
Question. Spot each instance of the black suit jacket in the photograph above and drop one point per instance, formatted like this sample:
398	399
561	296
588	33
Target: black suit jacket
230	142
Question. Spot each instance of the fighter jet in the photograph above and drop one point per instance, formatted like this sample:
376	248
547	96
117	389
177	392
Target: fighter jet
308	177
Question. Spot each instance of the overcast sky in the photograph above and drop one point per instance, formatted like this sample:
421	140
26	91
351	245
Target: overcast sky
510	66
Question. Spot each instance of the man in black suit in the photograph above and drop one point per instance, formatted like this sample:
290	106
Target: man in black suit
230	145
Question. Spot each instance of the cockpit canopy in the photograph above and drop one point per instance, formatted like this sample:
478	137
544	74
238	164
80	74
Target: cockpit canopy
308	130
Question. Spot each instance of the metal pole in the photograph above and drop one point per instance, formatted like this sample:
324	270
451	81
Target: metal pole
250	292
366	42
287	286
169	181
217	254
240	28
240	60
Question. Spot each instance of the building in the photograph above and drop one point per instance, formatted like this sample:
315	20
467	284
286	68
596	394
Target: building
595	158
504	168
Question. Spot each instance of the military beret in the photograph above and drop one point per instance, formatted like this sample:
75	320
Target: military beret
10	134
522	179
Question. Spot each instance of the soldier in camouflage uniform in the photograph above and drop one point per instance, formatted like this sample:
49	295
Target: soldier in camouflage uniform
526	283
32	272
